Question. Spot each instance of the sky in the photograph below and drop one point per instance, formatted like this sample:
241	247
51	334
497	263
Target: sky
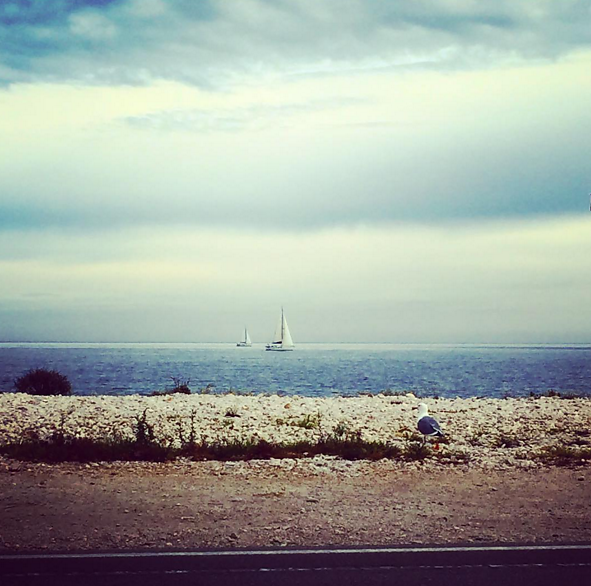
387	171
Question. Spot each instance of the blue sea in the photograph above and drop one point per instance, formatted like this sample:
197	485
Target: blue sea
313	370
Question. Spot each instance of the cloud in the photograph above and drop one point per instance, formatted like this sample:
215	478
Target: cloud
92	27
213	43
484	282
255	117
428	147
423	164
297	139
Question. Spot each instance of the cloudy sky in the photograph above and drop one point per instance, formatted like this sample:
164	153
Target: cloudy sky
388	171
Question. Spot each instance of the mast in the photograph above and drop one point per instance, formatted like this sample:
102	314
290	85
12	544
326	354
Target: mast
286	341
282	326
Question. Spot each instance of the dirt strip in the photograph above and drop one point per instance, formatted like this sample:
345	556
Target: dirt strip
185	505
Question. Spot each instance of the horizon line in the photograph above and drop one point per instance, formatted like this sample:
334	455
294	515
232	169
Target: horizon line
233	342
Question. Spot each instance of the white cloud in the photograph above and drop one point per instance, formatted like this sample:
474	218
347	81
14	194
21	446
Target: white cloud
418	147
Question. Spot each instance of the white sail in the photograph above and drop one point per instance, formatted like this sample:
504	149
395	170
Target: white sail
278	337
246	342
282	339
286	340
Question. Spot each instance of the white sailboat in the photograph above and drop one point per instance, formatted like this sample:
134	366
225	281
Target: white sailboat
246	342
282	341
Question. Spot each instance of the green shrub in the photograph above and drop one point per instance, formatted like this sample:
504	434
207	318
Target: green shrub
415	450
43	382
73	449
308	421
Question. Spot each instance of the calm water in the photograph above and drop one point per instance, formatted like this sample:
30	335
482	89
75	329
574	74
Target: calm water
311	370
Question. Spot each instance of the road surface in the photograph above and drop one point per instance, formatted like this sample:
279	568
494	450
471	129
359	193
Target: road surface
460	566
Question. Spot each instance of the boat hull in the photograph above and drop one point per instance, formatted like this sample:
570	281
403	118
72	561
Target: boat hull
243	345
277	349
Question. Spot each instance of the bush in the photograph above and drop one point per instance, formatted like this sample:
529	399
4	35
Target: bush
180	386
43	382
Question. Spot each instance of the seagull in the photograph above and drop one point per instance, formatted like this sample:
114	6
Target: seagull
427	425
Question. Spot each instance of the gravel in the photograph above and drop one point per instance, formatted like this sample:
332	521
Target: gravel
485	433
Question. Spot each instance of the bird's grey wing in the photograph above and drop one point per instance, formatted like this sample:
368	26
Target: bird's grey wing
429	426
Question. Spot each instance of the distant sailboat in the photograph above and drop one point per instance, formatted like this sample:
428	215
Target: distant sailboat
246	343
282	341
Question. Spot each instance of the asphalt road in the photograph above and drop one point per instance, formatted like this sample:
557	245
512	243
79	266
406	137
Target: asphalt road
460	566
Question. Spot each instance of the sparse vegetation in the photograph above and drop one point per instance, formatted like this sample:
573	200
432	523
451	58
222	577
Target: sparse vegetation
144	431
309	421
341	429
41	381
417	450
180	386
393	393
564	455
88	450
505	440
476	439
582	437
557	394
453	457
71	449
210	429
238	393
59	447
418	447
232	412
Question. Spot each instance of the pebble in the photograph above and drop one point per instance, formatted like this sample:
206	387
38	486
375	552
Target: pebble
477	429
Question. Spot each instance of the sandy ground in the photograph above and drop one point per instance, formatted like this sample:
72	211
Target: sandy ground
324	502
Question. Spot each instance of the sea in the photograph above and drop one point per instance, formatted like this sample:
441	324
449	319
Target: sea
311	370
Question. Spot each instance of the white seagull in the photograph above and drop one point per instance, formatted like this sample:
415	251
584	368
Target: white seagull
427	425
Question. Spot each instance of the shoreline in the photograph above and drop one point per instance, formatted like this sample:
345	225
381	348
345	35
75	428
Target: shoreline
483	433
500	493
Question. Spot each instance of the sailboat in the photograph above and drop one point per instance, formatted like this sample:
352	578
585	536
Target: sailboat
282	341
246	343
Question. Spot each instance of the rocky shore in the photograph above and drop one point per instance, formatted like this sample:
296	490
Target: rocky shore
485	433
487	484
